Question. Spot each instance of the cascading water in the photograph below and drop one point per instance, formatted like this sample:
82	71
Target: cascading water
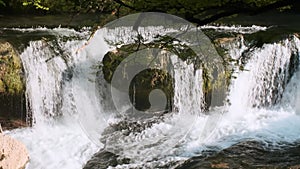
262	102
55	76
62	93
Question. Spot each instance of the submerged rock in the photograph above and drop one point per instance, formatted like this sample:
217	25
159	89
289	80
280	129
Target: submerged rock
13	154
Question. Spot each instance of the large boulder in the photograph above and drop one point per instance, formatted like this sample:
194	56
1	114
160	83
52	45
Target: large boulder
13	154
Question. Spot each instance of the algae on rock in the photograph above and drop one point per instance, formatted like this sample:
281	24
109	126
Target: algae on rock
12	88
212	84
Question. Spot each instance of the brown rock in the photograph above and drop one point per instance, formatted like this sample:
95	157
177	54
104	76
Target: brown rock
13	154
9	124
225	40
220	165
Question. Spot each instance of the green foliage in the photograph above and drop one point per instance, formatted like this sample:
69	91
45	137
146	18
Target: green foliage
72	6
206	11
197	11
2	3
36	3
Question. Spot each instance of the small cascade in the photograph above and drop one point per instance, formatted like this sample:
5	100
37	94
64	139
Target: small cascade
265	76
262	100
188	96
161	134
44	89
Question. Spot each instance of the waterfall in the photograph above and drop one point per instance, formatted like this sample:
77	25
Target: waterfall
265	76
262	99
74	115
43	79
188	88
60	89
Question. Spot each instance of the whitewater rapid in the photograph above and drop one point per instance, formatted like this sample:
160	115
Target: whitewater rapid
61	105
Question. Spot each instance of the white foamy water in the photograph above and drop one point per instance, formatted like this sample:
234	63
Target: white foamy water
62	144
58	97
264	79
236	28
250	115
69	111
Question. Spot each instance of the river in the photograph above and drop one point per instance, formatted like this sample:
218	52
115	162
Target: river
70	111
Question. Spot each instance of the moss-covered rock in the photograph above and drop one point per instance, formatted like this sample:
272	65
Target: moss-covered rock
145	81
149	80
12	87
10	70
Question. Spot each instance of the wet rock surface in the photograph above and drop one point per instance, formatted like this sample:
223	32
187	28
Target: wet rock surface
104	159
246	154
249	154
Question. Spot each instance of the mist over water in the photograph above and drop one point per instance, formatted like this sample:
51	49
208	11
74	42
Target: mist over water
70	109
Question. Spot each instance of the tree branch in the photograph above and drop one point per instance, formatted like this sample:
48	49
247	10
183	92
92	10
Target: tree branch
126	5
241	9
227	9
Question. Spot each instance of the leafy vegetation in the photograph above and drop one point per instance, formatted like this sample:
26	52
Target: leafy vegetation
206	11
200	12
36	3
2	3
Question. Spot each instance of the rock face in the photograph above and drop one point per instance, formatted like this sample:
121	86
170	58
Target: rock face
13	154
12	88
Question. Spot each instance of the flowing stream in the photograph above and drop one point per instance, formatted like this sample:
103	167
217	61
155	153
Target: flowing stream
70	111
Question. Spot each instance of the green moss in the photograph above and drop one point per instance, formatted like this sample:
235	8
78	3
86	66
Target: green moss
144	82
149	79
10	70
112	59
2	87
